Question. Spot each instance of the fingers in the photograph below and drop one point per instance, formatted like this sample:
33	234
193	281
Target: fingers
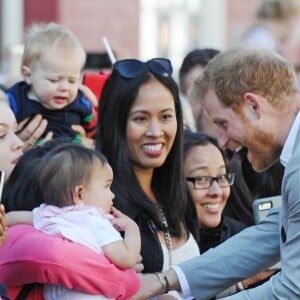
140	259
119	223
2	223
89	94
116	213
79	129
87	142
2	216
3	227
139	267
3	235
25	131
48	137
32	131
38	131
2	210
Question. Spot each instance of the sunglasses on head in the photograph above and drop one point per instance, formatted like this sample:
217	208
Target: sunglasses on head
132	68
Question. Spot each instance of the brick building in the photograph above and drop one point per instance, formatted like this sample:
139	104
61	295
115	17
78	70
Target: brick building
134	28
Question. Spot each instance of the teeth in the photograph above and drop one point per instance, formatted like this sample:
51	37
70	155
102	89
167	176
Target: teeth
211	206
152	148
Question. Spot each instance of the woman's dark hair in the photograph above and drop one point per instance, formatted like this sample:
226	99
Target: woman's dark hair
192	139
196	57
65	167
239	204
264	184
21	190
250	185
168	183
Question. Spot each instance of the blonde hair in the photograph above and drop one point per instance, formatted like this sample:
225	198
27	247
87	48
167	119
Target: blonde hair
234	72
41	37
277	9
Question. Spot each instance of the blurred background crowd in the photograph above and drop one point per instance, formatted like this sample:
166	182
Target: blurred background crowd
134	28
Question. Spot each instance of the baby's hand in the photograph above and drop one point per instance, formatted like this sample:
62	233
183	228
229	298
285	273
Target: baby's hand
120	220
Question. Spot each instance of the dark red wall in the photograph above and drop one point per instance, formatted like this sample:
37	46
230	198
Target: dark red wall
40	11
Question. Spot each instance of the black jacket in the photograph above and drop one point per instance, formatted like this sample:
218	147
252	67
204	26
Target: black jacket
209	238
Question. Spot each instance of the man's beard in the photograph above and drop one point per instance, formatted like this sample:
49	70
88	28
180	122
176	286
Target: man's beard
264	151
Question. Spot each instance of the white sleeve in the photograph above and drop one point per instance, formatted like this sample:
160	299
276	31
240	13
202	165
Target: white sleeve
184	285
104	231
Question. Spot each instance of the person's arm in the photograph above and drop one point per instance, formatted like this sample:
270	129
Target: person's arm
286	283
151	285
89	94
37	257
124	253
223	266
19	217
252	250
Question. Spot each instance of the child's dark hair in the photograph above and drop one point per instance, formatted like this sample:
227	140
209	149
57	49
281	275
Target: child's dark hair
192	139
65	167
196	57
21	191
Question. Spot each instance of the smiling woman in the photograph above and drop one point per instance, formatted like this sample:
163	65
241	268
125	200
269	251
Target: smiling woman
209	182
140	133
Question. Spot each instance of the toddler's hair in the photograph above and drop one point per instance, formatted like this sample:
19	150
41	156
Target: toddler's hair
277	9
44	36
65	167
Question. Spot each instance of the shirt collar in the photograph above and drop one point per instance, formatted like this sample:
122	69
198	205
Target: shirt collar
288	146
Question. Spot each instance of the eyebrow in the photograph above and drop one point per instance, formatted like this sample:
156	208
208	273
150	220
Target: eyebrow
146	111
219	119
205	168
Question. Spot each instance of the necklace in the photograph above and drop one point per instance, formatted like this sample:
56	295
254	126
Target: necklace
167	235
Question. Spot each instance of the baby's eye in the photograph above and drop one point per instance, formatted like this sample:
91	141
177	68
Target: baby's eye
53	80
3	132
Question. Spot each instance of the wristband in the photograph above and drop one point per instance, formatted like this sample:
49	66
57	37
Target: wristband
167	284
164	282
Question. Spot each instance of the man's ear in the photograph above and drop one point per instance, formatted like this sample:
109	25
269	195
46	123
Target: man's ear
253	104
79	195
26	73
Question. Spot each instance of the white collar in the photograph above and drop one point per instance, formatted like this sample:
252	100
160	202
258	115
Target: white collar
288	146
